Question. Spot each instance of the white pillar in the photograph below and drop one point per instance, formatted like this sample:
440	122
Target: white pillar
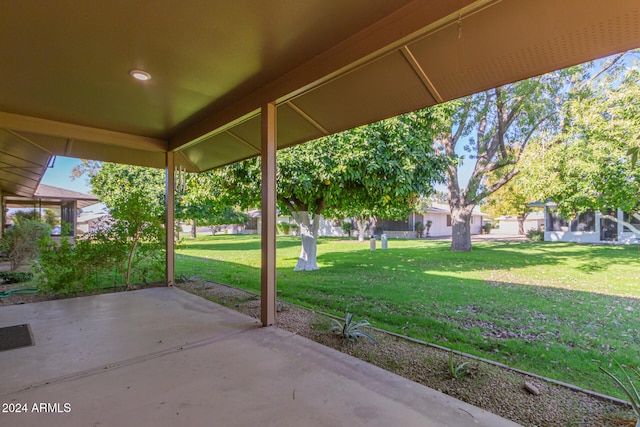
268	236
170	184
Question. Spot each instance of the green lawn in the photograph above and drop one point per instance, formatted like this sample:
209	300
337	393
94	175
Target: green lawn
556	309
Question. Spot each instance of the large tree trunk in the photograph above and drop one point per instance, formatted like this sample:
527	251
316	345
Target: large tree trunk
461	228
361	224
193	228
521	219
309	235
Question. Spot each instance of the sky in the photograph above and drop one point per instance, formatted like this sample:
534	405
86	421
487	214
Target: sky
59	175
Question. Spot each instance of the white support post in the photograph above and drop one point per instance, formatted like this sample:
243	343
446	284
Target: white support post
268	236
170	186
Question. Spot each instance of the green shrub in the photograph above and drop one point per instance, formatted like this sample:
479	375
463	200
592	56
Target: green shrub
347	226
20	242
59	269
419	229
284	227
535	235
351	330
15	276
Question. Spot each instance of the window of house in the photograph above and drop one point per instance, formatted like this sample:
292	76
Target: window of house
584	222
448	220
554	221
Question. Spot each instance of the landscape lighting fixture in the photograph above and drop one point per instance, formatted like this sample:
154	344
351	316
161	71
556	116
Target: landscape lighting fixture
140	75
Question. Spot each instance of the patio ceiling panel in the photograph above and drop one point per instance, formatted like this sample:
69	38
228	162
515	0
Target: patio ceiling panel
295	124
21	164
216	151
511	41
382	88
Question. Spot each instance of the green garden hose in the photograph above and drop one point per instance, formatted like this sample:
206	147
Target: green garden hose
20	291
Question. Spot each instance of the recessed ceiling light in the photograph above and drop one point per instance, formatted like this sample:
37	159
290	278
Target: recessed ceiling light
140	75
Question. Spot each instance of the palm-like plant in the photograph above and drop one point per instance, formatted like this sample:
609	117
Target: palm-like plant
630	389
351	330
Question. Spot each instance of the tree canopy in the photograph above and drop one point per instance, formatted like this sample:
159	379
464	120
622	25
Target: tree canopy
379	170
590	165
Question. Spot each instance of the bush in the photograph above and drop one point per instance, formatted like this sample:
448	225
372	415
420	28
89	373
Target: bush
419	229
59	270
15	276
347	226
21	241
284	227
535	235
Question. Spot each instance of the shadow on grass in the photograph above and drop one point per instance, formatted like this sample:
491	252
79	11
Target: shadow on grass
232	243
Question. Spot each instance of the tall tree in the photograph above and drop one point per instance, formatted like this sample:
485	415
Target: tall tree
378	170
591	166
135	199
514	198
495	127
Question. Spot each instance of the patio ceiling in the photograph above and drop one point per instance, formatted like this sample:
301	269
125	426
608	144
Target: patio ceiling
329	65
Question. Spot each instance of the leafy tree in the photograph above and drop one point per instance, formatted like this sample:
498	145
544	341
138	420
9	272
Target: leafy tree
495	127
590	167
20	242
374	170
135	199
51	218
514	197
201	202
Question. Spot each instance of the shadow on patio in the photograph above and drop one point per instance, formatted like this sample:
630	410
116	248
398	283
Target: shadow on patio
164	357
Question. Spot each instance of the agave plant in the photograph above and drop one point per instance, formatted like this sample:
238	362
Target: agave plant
459	370
351	330
630	388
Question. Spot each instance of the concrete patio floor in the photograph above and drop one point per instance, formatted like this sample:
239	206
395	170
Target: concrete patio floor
163	357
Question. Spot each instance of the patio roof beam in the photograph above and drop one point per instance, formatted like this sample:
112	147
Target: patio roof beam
170	184
21	123
268	237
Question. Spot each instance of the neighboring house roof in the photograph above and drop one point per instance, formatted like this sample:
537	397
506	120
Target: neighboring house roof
53	195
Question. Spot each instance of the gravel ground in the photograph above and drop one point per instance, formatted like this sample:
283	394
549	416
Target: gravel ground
490	387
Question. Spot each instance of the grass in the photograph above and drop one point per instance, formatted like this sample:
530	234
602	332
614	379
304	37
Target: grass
557	309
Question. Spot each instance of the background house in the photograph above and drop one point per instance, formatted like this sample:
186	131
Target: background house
438	213
508	224
65	203
589	227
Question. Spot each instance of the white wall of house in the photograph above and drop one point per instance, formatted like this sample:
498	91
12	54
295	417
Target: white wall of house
509	224
438	215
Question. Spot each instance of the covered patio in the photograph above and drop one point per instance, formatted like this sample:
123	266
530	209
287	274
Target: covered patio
219	82
164	357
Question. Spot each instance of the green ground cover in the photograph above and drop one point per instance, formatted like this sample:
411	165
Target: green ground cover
556	309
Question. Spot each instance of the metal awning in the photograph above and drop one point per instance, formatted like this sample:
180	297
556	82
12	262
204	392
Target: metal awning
328	65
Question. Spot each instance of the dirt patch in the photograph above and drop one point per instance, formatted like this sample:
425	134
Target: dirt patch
492	388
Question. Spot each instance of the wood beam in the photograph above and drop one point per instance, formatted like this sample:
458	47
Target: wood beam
81	133
421	74
268	236
170	219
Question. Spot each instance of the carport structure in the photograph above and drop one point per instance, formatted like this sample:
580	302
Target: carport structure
231	80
